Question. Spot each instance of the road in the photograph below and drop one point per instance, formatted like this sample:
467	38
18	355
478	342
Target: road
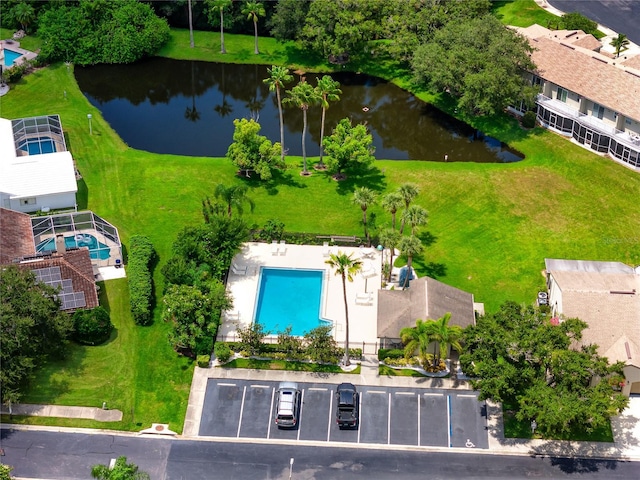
69	456
621	16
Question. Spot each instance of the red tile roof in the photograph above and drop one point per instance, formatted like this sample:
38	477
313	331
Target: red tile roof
16	236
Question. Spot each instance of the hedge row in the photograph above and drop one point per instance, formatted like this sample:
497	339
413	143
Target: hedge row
390	353
141	255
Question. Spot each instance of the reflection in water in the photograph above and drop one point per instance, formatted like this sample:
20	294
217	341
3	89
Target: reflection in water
145	103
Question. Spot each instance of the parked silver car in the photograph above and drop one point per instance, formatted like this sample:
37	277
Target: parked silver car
288	405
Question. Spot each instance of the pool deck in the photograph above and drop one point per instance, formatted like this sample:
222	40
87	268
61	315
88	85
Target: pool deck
243	288
15	46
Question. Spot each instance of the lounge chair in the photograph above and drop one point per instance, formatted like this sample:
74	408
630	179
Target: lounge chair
274	247
283	247
326	251
364	298
239	269
232	315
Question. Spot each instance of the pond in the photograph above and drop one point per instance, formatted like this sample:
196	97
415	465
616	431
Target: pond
187	108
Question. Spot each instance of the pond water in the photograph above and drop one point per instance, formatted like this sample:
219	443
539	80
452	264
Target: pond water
187	108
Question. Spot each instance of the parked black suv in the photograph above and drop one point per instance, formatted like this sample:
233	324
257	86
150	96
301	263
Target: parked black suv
347	409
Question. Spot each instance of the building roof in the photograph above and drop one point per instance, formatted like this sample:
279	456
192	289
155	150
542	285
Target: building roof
74	265
16	236
585	72
426	299
23	176
608	300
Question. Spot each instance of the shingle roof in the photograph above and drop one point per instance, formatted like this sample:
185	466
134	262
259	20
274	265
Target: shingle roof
16	236
585	72
610	304
426	299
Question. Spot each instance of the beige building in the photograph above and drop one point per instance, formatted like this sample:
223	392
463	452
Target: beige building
586	95
605	295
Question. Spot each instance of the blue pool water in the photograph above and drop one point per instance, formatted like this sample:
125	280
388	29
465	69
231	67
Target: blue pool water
289	297
10	56
97	250
38	146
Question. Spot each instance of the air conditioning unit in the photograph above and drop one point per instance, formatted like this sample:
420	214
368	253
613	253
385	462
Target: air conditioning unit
543	298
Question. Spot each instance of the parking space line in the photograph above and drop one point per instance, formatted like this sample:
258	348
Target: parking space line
449	421
226	384
419	421
300	416
317	389
389	422
404	393
329	424
244	392
375	391
468	396
273	392
259	386
433	394
359	415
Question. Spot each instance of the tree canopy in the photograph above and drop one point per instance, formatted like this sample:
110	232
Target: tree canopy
121	471
32	328
479	62
117	31
348	147
519	357
253	152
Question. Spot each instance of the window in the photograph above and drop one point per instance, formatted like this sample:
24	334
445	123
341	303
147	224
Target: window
28	201
562	94
598	111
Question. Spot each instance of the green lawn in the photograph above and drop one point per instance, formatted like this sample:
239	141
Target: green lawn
394	372
490	225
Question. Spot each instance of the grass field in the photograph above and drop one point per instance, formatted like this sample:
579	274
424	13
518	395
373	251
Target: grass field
490	225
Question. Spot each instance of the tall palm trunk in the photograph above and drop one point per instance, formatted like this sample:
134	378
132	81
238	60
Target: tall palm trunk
324	110
255	30
393	219
222	49
281	123
345	359
304	145
364	222
190	26
391	251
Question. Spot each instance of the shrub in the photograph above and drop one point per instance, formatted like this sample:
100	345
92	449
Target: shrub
15	73
222	352
141	255
529	119
385	353
321	346
92	327
272	230
203	360
251	338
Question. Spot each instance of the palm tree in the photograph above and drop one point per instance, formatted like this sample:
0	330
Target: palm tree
409	246
365	197
328	91
233	196
278	76
390	238
620	42
391	202
303	95
416	338
415	215
190	26
215	6
346	267
408	191
120	471
191	113
25	14
444	336
254	9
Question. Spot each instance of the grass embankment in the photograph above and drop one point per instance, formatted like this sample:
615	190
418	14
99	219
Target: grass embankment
490	227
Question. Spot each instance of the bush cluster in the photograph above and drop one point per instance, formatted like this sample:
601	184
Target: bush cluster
17	71
141	256
529	119
385	353
92	327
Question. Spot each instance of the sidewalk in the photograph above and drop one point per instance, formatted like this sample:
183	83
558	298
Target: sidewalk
61	411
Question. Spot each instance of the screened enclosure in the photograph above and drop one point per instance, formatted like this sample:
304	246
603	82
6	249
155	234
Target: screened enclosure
38	135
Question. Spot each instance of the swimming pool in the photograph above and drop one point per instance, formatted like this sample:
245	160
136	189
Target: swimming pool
10	56
97	250
288	297
37	146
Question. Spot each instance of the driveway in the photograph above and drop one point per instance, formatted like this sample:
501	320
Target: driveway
388	415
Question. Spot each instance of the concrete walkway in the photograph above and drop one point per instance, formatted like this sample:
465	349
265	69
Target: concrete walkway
61	411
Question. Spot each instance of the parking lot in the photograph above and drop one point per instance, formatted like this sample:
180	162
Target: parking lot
388	416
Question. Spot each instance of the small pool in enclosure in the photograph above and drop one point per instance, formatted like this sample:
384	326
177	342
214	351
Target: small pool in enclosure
97	250
10	57
289	297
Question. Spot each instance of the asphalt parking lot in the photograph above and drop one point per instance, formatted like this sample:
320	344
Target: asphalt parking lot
388	416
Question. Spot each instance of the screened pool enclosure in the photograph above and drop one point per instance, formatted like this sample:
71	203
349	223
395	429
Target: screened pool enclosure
79	229
38	135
